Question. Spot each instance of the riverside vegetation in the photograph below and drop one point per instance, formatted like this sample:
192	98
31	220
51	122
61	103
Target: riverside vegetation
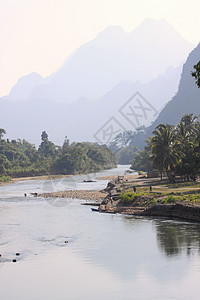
19	158
152	197
174	150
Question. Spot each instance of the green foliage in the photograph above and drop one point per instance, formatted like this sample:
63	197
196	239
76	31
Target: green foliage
169	199
21	159
173	150
2	132
194	197
140	172
126	155
196	74
155	201
129	198
165	149
5	178
84	158
141	161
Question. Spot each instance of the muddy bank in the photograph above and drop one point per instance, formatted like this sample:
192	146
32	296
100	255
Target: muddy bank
184	212
173	211
96	196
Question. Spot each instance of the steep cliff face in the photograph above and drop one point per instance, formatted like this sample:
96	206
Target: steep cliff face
187	99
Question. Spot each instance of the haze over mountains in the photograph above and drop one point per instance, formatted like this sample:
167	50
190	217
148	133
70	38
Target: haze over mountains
114	55
109	70
186	100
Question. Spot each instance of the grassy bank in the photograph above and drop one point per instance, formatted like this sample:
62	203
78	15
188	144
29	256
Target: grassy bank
142	195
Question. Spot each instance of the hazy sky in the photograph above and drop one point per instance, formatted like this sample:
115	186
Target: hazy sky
37	35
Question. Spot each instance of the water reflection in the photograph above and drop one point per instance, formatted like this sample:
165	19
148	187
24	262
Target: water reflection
176	238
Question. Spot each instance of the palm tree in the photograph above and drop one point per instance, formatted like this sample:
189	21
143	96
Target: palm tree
188	132
165	149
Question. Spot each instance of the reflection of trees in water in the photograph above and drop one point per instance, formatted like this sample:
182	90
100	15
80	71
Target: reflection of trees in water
176	238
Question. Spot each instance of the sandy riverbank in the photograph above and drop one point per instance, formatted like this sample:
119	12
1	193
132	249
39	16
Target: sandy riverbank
42	177
96	196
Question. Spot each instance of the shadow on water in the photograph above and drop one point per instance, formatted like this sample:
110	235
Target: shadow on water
176	238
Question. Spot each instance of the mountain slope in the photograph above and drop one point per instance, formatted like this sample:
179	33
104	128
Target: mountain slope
114	55
187	99
24	87
82	119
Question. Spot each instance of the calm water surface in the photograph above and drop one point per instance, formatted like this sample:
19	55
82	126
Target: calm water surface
107	257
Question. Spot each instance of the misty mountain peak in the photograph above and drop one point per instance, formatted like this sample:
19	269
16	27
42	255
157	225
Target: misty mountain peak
112	30
113	56
24	87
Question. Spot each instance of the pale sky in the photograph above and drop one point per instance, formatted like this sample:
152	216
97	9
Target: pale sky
38	35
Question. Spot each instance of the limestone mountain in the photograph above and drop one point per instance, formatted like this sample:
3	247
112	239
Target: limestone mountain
81	119
185	101
113	56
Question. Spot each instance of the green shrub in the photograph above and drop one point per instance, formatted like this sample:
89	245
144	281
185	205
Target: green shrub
169	199
155	201
5	178
128	198
194	197
140	172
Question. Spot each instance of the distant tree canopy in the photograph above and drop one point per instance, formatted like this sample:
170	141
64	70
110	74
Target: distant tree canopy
19	158
2	132
84	158
196	74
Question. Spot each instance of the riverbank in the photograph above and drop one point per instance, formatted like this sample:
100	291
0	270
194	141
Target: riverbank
153	198
42	177
95	196
138	195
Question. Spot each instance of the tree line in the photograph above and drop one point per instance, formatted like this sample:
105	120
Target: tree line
19	158
174	150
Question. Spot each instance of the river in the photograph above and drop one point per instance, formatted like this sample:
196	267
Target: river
107	256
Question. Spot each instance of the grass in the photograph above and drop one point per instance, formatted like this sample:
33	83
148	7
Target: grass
189	184
162	192
149	199
169	199
129	198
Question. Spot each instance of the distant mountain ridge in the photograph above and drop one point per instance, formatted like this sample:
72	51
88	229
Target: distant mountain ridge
187	99
81	119
99	65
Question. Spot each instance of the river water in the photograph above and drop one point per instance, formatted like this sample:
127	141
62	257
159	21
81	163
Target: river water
106	257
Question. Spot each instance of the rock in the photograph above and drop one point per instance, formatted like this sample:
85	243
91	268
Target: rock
109	187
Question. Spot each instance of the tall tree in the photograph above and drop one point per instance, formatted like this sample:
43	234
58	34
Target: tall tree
165	149
188	131
2	132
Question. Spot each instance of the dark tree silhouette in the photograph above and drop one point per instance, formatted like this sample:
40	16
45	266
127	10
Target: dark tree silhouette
196	74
